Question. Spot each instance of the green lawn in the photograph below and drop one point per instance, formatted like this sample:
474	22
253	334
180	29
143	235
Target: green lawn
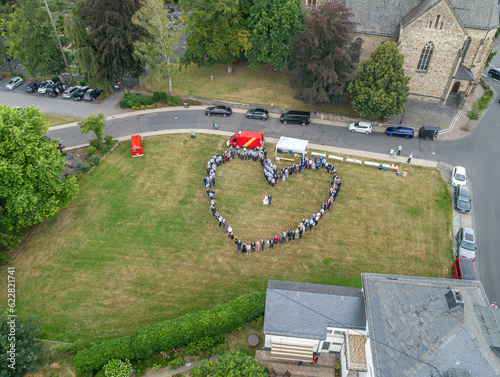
139	244
56	120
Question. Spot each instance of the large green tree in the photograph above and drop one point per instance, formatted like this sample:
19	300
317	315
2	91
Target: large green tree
272	25
112	34
324	57
32	186
94	123
23	342
380	87
30	38
215	33
231	364
157	50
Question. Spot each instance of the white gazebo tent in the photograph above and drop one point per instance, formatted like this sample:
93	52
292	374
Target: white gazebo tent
289	144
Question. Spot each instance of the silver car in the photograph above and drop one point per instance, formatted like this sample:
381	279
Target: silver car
363	127
70	92
43	88
14	83
466	239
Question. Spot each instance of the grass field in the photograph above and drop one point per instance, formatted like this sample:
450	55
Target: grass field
55	120
245	85
139	244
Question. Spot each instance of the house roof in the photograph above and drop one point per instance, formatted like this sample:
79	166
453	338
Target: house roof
490	325
464	73
306	310
416	331
383	17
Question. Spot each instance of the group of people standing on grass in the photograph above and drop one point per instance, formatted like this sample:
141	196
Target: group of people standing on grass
272	176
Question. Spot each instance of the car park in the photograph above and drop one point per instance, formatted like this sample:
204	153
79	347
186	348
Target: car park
14	83
294	116
218	110
57	88
466	244
462	199
78	96
464	269
42	89
406	132
33	86
495	73
70	92
458	176
92	94
257	114
363	127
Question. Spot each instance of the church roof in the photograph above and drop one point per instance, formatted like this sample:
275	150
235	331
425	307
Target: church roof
464	73
383	17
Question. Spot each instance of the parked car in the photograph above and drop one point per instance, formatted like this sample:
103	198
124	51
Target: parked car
298	117
428	132
466	239
257	114
462	199
458	176
406	132
14	83
42	89
78	96
362	127
218	110
136	146
463	268
495	73
71	91
33	86
92	94
57	88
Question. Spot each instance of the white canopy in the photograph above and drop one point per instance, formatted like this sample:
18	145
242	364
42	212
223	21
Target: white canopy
287	144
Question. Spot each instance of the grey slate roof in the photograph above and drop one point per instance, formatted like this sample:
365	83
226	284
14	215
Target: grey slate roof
416	332
464	73
490	325
305	310
383	17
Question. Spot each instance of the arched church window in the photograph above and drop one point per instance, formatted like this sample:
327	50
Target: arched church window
425	57
436	24
430	24
465	47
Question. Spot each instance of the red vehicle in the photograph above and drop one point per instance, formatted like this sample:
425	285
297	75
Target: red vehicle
463	268
247	139
136	142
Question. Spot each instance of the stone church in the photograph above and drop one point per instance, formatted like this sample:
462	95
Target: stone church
445	42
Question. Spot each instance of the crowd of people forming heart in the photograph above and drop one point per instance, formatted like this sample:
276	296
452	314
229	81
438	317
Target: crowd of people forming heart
272	176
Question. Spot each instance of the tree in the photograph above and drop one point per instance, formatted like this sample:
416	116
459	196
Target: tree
215	33
157	49
93	123
272	25
31	39
324	58
490	57
380	87
231	364
32	186
474	113
112	34
27	348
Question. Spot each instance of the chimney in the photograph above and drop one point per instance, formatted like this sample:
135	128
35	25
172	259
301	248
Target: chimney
455	301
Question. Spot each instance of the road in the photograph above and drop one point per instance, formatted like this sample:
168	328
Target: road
476	152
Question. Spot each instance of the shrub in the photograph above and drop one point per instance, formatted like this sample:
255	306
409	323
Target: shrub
118	368
485	99
95	143
176	363
134	99
123	104
20	75
95	159
174	333
56	79
231	364
86	167
176	100
170	102
106	150
4	258
484	85
100	374
82	82
108	139
91	151
158	96
203	344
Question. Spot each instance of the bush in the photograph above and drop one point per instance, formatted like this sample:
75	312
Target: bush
123	104
193	102
134	99
484	85
176	100
203	344
176	363
100	374
56	79
105	150
91	151
4	258
81	82
118	368
231	364
95	143
20	75
108	139
95	159
86	167
174	333
485	99
158	96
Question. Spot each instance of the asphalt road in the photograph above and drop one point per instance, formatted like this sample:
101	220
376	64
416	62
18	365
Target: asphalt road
477	152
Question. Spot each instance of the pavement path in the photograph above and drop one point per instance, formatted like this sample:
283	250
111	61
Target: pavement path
183	369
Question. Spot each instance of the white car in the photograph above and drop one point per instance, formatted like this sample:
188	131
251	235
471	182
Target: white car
362	127
14	83
458	176
43	88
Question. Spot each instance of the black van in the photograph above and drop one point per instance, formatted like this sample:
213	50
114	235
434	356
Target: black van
293	116
427	132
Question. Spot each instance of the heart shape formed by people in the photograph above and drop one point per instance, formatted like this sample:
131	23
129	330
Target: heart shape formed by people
274	177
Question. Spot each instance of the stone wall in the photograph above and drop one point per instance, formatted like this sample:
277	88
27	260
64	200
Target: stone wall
479	49
370	43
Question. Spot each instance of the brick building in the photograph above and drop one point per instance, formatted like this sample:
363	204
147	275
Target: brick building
445	42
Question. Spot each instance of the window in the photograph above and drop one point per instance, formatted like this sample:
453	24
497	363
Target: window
425	57
325	346
465	47
430	24
310	2
436	24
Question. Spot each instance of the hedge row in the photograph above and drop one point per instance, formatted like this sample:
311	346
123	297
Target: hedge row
173	333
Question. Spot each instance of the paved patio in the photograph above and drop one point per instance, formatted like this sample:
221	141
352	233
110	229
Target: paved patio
323	368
